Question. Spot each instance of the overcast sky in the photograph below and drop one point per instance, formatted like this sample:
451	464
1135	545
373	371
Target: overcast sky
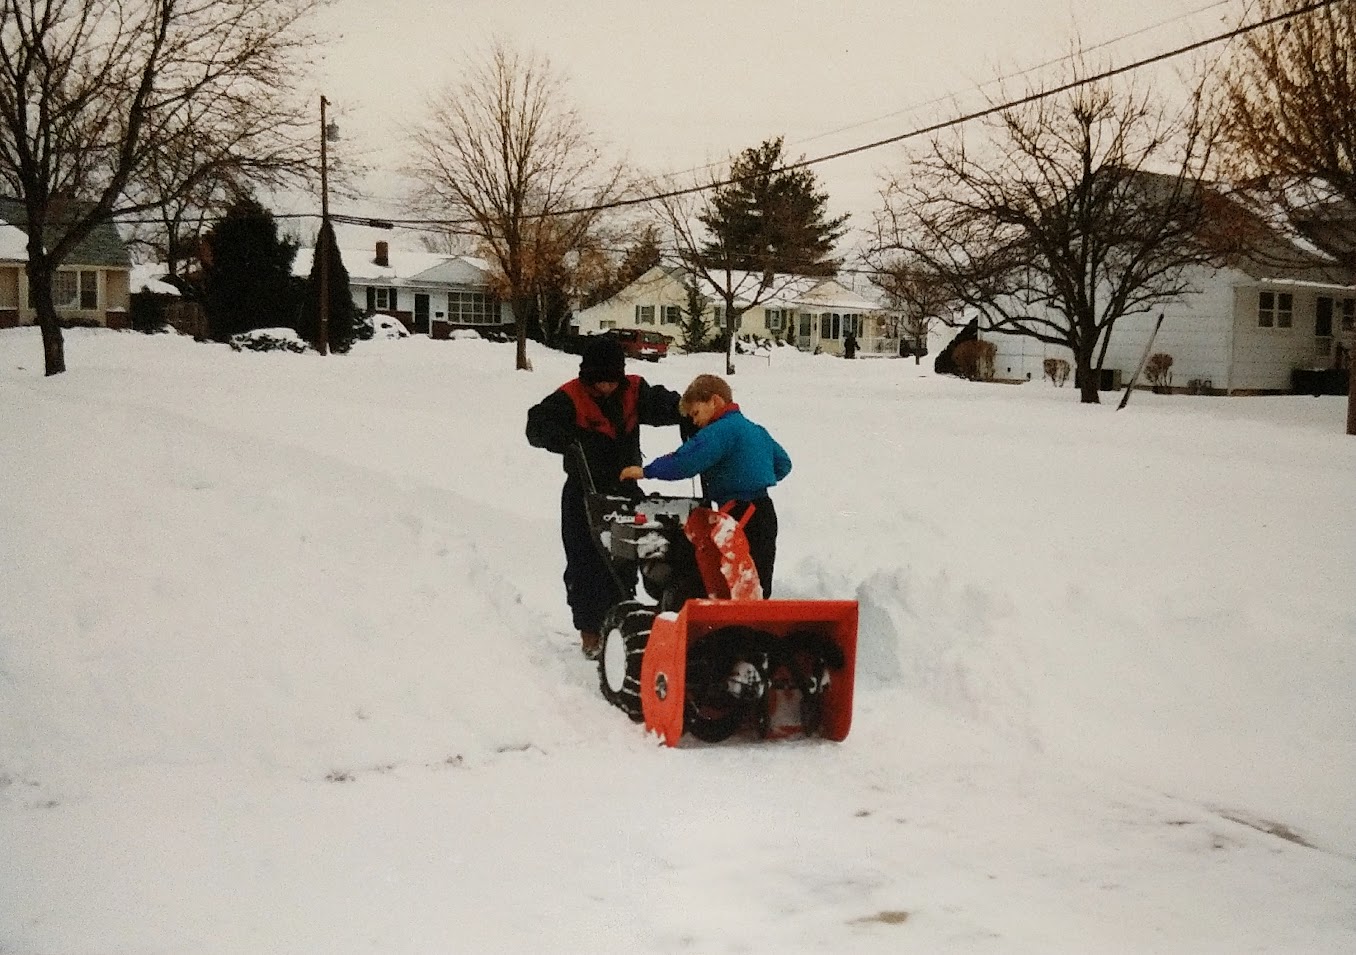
679	83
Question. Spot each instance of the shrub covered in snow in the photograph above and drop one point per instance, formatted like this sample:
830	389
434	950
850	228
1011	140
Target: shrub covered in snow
270	339
383	327
752	345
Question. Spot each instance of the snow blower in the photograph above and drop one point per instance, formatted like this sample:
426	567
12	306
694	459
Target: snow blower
711	657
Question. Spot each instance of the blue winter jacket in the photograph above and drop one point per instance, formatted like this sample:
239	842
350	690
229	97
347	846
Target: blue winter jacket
738	459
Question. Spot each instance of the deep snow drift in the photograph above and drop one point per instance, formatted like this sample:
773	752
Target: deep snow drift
285	666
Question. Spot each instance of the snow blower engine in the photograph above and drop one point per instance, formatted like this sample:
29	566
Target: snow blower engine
710	656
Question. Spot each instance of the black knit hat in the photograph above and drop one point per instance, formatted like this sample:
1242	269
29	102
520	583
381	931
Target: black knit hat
604	360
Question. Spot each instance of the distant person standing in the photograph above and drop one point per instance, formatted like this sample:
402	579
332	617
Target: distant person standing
738	462
850	345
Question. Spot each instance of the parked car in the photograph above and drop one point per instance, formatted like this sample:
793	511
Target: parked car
650	346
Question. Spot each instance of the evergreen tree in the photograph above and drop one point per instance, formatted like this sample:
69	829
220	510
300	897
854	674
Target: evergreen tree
247	273
345	321
694	333
641	255
768	218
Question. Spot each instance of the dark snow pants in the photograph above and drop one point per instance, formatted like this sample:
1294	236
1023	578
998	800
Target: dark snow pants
590	587
761	531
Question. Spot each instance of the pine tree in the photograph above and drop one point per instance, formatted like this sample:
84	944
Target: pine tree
344	321
641	255
772	219
695	333
247	273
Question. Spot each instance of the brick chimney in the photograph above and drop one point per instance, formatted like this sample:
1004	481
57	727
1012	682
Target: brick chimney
383	258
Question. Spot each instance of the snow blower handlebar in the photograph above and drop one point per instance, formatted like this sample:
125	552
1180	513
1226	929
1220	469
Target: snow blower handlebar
579	466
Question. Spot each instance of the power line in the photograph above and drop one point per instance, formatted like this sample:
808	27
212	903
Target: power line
449	225
923	130
998	81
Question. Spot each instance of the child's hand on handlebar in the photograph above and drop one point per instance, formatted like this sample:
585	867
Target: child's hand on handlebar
632	473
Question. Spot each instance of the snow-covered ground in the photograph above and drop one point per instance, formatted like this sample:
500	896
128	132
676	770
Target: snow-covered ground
285	667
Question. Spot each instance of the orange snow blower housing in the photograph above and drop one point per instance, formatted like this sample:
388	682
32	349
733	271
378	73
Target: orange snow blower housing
713	658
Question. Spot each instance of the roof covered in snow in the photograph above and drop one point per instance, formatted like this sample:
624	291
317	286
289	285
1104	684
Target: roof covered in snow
13	243
149	278
782	291
403	268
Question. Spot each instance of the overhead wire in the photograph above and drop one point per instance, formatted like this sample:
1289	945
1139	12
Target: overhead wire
1027	71
450	225
968	117
997	81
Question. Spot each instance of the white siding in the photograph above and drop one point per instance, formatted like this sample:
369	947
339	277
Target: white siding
655	288
1265	357
1211	334
1195	333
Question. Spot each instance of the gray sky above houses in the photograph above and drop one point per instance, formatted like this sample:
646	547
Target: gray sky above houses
677	84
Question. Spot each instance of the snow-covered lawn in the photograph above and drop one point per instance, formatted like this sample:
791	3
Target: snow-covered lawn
285	667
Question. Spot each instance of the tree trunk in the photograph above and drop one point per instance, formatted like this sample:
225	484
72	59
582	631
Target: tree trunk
520	311
40	293
731	326
53	345
1087	376
520	357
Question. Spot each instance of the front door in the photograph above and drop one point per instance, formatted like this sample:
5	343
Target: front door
421	312
1323	327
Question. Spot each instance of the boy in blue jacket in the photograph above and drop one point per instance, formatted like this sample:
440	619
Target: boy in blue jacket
737	460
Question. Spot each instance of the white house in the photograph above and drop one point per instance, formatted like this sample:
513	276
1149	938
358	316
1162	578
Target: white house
1259	325
431	293
816	314
90	288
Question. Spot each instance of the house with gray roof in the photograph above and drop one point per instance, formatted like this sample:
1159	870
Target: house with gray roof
90	288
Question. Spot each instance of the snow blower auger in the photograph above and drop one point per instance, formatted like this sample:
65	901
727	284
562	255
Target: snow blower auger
711	657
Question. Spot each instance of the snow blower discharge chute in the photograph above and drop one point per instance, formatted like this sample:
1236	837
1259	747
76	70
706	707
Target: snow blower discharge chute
711	657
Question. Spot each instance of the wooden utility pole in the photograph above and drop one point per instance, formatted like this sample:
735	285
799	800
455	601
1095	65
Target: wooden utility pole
323	246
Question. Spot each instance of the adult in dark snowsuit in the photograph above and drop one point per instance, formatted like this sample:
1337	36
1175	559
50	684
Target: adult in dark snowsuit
601	411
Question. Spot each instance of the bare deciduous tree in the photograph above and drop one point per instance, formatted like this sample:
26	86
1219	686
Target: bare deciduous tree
97	95
1071	213
1289	99
1289	105
504	153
